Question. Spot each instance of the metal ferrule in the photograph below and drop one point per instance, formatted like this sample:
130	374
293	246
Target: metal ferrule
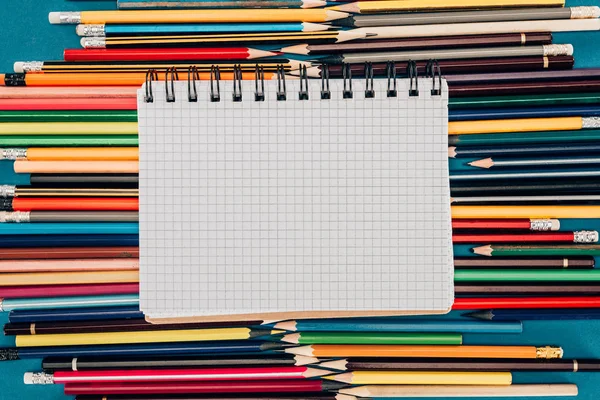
548	352
70	17
590	122
557	50
41	378
7	191
92	30
14	216
93	43
33	66
13	154
585	12
585	237
541	225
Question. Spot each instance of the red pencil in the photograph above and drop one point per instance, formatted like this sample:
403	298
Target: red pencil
166	54
68	104
517	224
74	204
182	375
526	302
542	237
15	292
47	253
283	386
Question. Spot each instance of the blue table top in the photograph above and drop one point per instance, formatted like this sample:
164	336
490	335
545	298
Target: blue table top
27	36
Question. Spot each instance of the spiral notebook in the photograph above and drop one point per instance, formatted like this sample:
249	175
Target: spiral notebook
306	206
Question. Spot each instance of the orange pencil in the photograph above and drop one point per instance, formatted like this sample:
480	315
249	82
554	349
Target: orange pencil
61	265
81	154
426	351
72	204
76	167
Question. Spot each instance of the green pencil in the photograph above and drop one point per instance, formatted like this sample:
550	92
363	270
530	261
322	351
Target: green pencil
525	275
537	251
584	135
372	338
68	116
67	140
550	99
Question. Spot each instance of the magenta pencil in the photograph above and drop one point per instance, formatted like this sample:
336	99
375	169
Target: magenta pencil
15	292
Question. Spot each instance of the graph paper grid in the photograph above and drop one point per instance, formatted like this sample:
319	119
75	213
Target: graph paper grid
296	205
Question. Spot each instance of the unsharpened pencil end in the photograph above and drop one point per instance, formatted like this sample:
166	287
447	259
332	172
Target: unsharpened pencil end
19	67
9	354
38	378
54	17
28	378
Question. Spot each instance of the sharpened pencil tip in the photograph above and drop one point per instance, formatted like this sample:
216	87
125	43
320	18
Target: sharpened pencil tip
452	152
483	250
483	163
486	315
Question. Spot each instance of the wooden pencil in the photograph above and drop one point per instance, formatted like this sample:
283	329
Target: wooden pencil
69	204
534	314
524	224
529	263
505	141
529	100
76	167
504	212
526	275
526	88
422	378
365	7
537	250
68	128
499	162
60	104
537	237
194	4
485	289
69	265
111	93
47	253
65	116
371	338
519	125
68	216
519	302
69	278
26	191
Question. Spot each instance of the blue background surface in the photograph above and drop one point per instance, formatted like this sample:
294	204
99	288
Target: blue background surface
26	35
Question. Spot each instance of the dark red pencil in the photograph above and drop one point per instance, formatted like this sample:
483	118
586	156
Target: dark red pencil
526	302
516	224
538	237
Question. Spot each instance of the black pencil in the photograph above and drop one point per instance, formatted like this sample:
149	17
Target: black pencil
526	263
540	187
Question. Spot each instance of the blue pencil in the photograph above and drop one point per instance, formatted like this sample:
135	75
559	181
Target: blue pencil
508	163
396	325
147	349
524	150
44	303
535	314
75	314
550	173
68	241
530	112
70	228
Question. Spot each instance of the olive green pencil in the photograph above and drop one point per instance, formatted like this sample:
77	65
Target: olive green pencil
67	140
537	250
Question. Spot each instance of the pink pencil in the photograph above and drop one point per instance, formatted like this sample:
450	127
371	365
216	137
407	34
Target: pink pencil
59	265
15	292
68	92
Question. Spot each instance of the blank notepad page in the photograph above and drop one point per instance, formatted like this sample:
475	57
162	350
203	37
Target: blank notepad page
295	205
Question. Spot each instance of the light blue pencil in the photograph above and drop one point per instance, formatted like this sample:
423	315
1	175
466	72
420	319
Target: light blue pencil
70	228
45	303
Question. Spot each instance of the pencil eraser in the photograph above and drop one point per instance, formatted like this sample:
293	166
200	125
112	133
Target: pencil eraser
54	17
18	67
28	378
570	49
80	30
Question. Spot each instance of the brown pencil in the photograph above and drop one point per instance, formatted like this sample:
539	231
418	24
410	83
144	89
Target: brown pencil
529	263
69	252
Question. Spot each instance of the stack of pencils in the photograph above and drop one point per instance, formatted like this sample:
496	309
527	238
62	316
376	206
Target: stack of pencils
524	164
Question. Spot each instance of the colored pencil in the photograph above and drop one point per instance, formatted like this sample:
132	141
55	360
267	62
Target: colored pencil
371	338
511	212
552	139
19	292
26	191
558	302
448	54
195	16
534	314
68	116
102	30
75	180
61	104
537	250
70	204
529	263
239	347
516	224
437	391
399	364
543	186
68	228
49	253
68	128
35	241
524	275
439	351
526	88
40	303
520	125
134	337
532	112
538	237
91	363
191	4
527	199
117	325
422	378
68	216
74	314
579	73
455	17
499	162
521	289
160	54
540	100
372	7
286	396
179	375
279	386
103	264
380	325
20	93
74	167
515	39
68	278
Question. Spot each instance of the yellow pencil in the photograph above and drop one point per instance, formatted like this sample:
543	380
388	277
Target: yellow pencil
195	16
69	128
516	125
68	278
366	7
422	378
183	335
504	212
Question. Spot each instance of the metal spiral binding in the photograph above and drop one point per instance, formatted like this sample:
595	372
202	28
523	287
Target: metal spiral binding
151	75
325	92
237	83
193	75
433	70
259	75
347	76
413	75
173	75
390	70
215	76
281	91
369	90
303	93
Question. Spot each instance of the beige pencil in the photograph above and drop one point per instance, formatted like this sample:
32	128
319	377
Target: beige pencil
58	265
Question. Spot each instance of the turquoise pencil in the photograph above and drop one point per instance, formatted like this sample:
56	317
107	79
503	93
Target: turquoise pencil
72	228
